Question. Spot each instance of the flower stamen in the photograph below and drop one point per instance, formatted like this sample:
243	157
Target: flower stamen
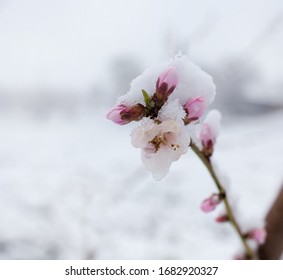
157	141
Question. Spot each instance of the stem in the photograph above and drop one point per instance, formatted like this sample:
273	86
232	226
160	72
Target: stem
206	161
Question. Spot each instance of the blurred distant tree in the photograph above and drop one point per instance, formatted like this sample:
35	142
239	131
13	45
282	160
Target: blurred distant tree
232	80
123	70
273	247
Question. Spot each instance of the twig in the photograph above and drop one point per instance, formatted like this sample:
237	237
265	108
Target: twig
206	161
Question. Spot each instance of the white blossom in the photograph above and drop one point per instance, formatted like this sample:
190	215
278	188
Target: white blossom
161	144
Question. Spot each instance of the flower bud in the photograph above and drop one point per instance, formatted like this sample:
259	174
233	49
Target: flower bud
115	114
222	219
210	203
258	235
195	108
122	114
209	131
207	138
166	83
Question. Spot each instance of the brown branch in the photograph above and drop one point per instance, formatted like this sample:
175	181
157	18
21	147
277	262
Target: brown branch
273	247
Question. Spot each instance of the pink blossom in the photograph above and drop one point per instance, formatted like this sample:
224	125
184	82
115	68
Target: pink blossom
166	82
161	144
195	108
257	234
210	203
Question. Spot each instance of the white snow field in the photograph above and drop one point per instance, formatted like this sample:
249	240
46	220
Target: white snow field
76	189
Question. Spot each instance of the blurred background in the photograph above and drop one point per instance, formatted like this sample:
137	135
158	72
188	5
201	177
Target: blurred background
71	184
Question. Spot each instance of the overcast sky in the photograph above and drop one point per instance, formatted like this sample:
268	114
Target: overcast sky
71	43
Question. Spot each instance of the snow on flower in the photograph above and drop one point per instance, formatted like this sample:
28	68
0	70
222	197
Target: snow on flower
168	98
161	144
173	111
192	82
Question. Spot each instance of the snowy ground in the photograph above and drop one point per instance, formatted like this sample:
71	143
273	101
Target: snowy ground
76	189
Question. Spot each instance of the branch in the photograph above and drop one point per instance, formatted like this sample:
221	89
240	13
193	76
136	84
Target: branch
229	212
273	247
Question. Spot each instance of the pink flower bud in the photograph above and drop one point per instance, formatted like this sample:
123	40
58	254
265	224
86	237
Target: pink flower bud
209	131
195	108
210	203
115	114
257	234
166	82
222	219
122	114
207	136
